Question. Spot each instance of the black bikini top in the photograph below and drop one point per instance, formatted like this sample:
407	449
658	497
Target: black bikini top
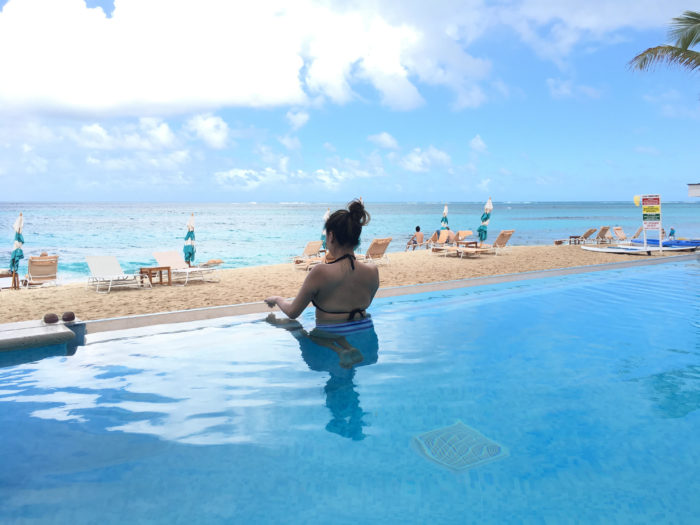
351	313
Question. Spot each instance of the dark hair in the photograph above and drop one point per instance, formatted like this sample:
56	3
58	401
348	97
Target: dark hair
346	225
417	228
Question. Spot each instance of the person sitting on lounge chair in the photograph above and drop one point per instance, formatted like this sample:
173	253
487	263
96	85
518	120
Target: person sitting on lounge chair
416	240
341	289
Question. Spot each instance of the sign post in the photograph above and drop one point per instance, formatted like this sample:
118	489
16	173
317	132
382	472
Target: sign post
651	217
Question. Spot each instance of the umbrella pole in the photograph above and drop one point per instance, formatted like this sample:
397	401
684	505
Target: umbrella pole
15	281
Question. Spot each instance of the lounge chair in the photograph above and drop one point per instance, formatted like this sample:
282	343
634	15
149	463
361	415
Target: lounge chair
582	239
41	270
313	249
450	246
461	239
376	252
439	244
497	247
620	234
179	268
604	236
579	239
106	271
637	233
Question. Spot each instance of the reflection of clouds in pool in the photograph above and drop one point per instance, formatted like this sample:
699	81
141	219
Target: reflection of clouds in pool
212	386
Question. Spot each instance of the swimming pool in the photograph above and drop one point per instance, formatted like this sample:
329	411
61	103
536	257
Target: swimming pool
591	382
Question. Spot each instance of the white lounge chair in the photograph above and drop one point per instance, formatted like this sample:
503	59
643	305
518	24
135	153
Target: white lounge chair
42	270
179	268
106	271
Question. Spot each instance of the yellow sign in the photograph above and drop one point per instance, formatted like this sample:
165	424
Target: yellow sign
651	209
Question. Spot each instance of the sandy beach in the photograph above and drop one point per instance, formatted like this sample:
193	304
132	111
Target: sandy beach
251	284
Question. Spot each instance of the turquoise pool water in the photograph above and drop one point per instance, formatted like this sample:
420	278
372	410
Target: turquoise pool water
591	382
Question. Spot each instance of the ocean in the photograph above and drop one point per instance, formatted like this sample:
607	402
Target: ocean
249	234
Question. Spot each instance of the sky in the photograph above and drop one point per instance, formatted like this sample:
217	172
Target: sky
303	101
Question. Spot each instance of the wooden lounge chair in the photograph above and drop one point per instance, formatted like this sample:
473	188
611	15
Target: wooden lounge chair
451	244
376	252
439	243
179	268
313	249
582	239
637	233
461	239
41	270
604	236
498	245
105	271
620	234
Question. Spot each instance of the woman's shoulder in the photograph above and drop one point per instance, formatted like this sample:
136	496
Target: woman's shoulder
368	268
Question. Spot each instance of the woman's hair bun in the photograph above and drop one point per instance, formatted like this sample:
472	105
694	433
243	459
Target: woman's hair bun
358	213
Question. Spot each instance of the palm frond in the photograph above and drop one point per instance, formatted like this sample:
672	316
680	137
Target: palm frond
670	55
685	30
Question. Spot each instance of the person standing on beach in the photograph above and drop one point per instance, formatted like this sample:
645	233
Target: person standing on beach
343	288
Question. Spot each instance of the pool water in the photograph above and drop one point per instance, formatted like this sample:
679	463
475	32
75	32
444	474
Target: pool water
590	381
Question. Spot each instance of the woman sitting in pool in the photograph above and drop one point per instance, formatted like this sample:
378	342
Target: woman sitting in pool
341	289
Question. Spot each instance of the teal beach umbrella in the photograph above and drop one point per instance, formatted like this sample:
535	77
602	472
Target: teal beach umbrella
443	222
323	233
17	252
485	217
189	249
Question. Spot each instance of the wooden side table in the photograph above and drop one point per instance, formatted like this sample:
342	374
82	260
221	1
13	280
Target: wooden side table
152	271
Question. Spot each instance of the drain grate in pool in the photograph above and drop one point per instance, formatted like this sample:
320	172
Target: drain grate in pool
459	447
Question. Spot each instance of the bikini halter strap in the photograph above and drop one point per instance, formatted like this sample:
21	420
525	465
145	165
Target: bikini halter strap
349	256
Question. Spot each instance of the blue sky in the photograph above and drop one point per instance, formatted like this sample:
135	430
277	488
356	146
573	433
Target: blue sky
323	101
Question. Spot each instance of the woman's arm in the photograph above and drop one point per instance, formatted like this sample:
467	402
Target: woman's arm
308	290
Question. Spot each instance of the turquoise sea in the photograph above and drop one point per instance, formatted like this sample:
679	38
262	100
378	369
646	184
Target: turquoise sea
247	234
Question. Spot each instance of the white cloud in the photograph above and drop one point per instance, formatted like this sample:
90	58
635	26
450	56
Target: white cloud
423	160
647	150
384	140
477	144
329	147
553	29
559	88
484	184
211	129
297	119
157	133
331	176
149	134
247	179
35	163
141	161
276	53
291	143
254	54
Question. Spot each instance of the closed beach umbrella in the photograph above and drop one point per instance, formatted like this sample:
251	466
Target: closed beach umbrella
189	249
323	233
17	252
485	217
443	221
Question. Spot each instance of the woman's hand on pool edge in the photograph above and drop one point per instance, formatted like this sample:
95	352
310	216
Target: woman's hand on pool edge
273	300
